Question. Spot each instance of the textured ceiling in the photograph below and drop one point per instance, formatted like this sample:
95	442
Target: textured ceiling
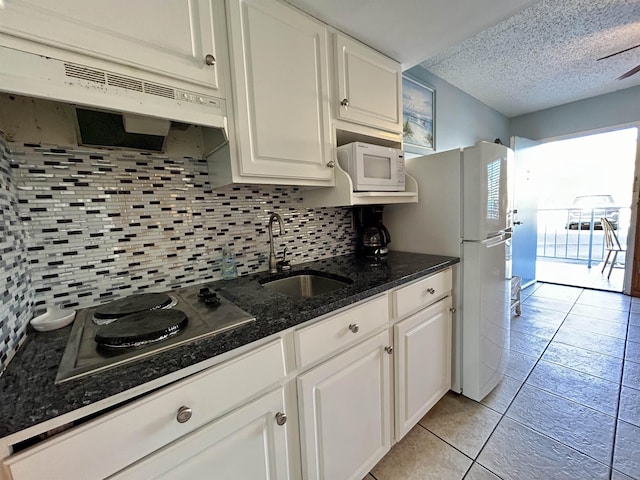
516	56
546	55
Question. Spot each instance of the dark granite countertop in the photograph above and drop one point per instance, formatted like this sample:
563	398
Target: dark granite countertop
29	395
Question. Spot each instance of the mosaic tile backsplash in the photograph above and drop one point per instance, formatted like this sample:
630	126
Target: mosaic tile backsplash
98	225
16	295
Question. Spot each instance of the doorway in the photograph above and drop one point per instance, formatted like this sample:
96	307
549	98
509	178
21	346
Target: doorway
565	188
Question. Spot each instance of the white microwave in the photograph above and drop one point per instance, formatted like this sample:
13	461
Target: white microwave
373	167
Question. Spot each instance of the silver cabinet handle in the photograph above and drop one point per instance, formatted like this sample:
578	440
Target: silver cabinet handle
281	418
331	164
210	60
388	349
184	414
354	327
452	310
431	290
345	102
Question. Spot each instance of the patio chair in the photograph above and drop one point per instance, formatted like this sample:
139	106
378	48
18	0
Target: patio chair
612	244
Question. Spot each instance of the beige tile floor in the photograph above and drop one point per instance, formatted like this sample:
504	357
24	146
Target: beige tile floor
569	407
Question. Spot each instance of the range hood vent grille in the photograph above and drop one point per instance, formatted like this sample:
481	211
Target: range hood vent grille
106	78
124	82
84	73
95	84
159	90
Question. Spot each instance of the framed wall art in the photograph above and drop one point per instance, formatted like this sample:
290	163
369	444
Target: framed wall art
418	116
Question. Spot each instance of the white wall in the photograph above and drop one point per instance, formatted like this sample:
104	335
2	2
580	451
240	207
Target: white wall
461	120
595	113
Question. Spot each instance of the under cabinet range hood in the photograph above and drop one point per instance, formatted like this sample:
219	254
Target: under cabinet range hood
40	76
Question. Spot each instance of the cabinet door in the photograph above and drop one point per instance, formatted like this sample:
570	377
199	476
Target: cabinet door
345	412
423	363
247	443
279	58
369	86
165	37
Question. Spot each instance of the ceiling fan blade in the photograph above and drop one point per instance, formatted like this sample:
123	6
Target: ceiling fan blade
633	71
621	51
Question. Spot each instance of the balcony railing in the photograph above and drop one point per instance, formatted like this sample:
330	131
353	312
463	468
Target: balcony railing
577	236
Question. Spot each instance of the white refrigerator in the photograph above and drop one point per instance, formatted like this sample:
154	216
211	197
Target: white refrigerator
464	210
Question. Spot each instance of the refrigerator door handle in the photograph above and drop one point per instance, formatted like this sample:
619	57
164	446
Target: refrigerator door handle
497	240
504	231
492	241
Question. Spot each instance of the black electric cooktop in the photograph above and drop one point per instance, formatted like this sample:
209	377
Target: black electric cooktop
130	328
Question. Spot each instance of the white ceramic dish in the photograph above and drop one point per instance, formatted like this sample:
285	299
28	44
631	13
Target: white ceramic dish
53	319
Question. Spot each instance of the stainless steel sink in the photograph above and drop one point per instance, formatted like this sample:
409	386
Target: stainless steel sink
306	284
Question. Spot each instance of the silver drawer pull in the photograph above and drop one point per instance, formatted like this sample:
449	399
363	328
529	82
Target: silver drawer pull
281	418
388	349
431	290
354	327
184	414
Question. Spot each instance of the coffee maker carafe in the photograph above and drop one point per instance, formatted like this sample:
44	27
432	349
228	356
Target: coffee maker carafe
373	236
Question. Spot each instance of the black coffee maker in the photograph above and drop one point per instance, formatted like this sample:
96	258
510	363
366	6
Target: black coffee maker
373	236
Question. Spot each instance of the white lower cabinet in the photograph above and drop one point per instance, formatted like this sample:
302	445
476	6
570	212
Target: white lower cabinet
349	398
249	443
422	363
345	412
156	422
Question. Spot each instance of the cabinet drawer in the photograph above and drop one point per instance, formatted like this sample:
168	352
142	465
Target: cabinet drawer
116	440
244	444
327	336
420	294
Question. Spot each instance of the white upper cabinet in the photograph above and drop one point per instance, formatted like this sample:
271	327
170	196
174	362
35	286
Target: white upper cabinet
369	86
172	39
279	70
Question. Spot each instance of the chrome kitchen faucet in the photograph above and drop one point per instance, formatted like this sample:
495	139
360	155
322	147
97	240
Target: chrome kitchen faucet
273	260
